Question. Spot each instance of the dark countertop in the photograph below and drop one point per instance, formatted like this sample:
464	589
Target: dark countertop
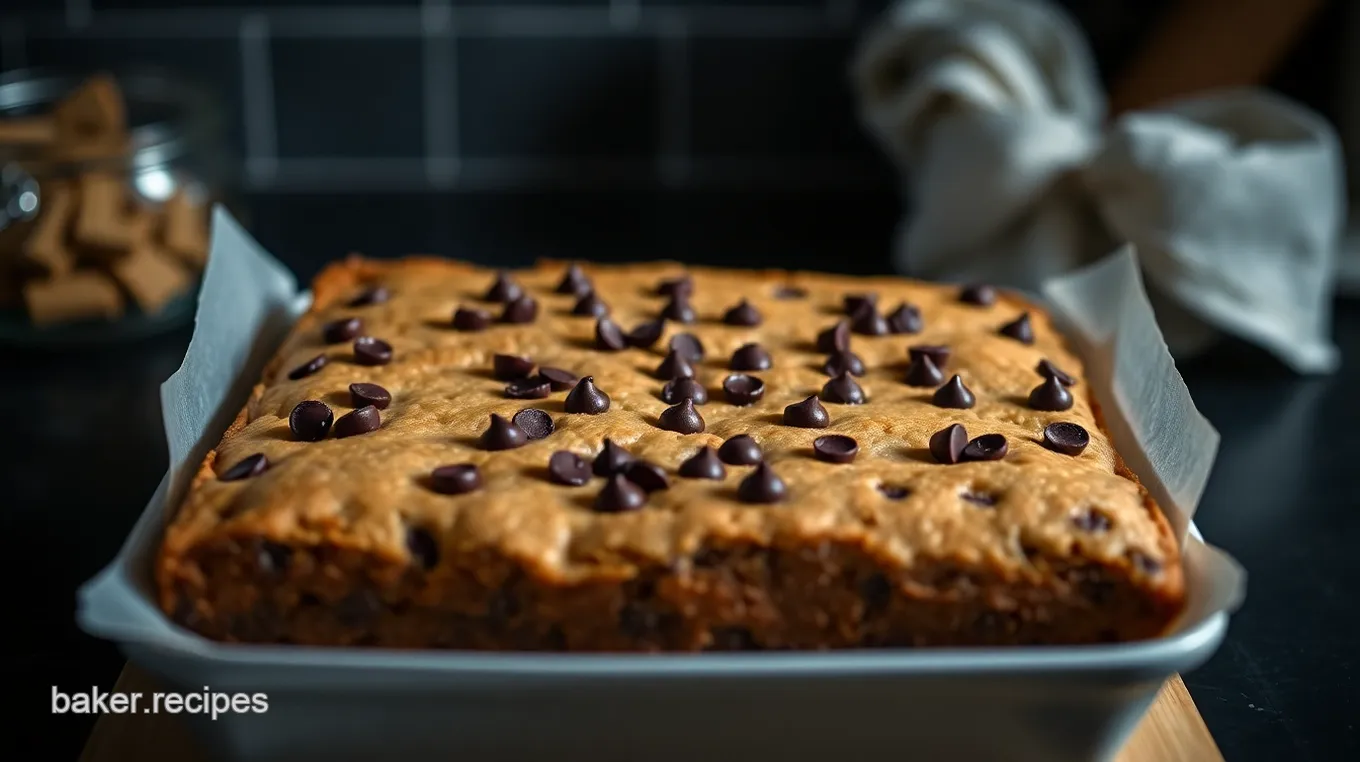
85	449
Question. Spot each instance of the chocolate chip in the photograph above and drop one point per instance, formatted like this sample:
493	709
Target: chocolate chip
574	281
423	547
310	421
522	310
704	464
905	319
985	447
531	388
612	459
683	388
750	357
1019	329
559	379
568	468
808	414
855	302
360	421
740	450
308	368
250	465
868	322
742	390
922	371
1066	438
342	330
470	319
1050	395
649	476
535	423
682	418
743	313
371	351
674	366
590	305
510	367
979	294
371	295
843	361
979	498
681	285
501	434
585	398
362	394
762	485
877	594
618	495
608	336
688	345
1145	563
946	445
843	390
835	448
457	479
938	353
1091	521
645	334
504	289
1049	370
790	292
680	310
894	491
834	339
954	395
358	608
274	557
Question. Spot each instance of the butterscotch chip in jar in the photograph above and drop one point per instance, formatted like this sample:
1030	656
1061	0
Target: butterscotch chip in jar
81	295
101	222
151	276
185	229
29	131
46	247
91	116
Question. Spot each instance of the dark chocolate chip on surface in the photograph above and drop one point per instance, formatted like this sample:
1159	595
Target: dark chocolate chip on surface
979	294
786	291
608	336
740	450
843	361
868	322
1049	370
1145	563
360	421
501	434
688	345
853	303
250	465
645	334
1019	329
1091	521
922	371
985	447
1066	438
510	367
423	547
558	378
938	353
1050	395
274	557
674	366
522	310
682	418
363	393
342	330
619	495
456	479
808	414
985	499
470	319
531	388
308	368
704	464
680	310
568	468
574	281
835	448
905	319
504	289
535	423
894	491
843	390
612	459
586	399
834	339
681	285
372	351
649	476
750	357
683	388
946	445
954	395
762	485
741	390
310	421
590	305
371	295
742	313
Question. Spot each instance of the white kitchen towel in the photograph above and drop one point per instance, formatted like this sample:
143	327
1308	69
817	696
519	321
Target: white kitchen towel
1234	201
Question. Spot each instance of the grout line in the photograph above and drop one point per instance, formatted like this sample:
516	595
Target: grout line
623	14
440	94
257	85
13	45
842	12
673	165
77	13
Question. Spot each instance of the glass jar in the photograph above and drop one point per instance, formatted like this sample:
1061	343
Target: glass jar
171	158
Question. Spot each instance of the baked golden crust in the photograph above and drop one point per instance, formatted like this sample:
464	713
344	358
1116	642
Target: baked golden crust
315	549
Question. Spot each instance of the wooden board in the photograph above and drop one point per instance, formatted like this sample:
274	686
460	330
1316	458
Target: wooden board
1171	731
